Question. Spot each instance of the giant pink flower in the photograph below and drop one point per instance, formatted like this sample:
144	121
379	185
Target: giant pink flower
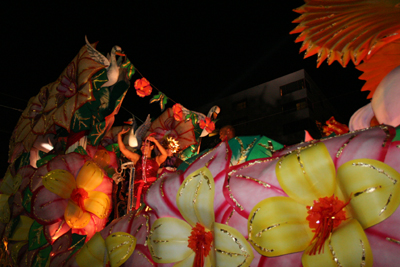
259	177
71	191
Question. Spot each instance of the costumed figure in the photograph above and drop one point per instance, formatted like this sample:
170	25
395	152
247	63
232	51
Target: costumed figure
173	161
146	166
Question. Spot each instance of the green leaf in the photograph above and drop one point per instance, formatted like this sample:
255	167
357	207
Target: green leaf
36	236
26	201
42	257
114	148
163	102
156	98
9	230
77	242
129	68
397	137
81	150
44	160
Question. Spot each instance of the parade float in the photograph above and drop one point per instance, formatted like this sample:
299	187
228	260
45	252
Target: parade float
66	199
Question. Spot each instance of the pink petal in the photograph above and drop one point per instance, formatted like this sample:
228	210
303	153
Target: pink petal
36	180
140	257
47	207
161	196
385	252
293	259
62	243
71	162
216	160
371	144
26	173
58	260
250	182
393	156
17	208
95	225
105	186
55	230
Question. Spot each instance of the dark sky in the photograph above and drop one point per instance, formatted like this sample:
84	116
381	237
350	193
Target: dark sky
194	53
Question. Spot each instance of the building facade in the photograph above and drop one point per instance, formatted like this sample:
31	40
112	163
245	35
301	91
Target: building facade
281	109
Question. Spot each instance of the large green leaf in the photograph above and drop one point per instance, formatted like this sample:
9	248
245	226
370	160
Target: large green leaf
36	236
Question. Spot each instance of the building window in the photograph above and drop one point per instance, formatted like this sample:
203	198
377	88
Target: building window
301	105
295	105
292	87
240	105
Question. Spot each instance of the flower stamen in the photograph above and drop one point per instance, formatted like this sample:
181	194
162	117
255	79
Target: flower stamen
78	196
200	242
325	215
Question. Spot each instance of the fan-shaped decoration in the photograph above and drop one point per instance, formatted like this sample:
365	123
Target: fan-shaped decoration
166	125
379	65
346	29
55	104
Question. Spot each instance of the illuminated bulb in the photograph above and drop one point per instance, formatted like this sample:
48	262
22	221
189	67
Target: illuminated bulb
132	140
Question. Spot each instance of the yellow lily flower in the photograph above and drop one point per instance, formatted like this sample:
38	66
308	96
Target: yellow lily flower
325	213
82	199
197	240
116	249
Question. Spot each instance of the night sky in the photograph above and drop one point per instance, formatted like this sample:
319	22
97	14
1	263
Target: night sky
194	53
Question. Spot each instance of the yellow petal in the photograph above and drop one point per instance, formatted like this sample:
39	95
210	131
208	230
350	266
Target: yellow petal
374	188
92	253
168	240
120	247
187	262
21	231
98	203
4	208
231	248
60	182
14	248
307	174
348	246
195	198
278	226
75	217
90	176
10	184
102	158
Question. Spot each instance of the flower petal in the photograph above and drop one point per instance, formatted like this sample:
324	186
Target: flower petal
231	248
384	239
258	177
92	253
90	176
4	208
60	182
120	247
307	174
373	187
195	198
47	207
75	217
161	196
168	240
278	226
348	246
98	203
9	185
21	231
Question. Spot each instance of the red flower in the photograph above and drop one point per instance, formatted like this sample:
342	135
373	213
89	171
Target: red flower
178	113
208	124
143	87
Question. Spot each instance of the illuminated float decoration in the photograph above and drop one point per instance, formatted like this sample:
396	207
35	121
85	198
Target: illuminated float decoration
354	30
247	202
